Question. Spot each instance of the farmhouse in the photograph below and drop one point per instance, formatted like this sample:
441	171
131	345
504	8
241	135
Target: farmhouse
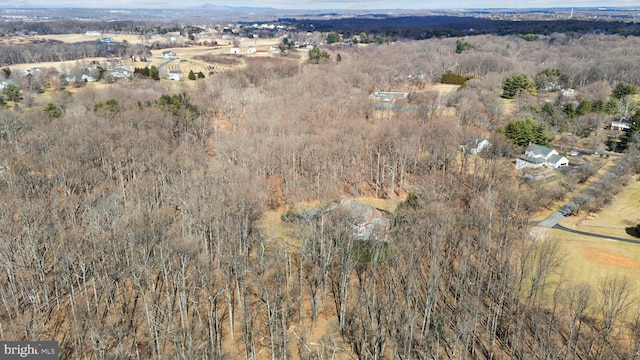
176	75
168	54
536	156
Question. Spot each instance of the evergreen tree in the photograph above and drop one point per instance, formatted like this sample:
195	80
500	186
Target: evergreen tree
315	55
462	45
333	38
570	110
632	133
52	111
623	89
516	85
525	131
154	73
12	92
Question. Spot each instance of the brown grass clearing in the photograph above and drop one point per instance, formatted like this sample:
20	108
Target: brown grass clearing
605	258
590	259
623	212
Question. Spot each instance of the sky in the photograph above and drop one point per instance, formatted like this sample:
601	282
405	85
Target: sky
330	4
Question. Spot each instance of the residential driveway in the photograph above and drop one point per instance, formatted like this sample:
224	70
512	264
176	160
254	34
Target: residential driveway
584	196
165	63
552	220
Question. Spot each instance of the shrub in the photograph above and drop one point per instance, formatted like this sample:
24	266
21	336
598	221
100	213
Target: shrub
454	79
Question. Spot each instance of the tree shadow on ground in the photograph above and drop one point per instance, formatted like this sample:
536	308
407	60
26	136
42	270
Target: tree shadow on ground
633	231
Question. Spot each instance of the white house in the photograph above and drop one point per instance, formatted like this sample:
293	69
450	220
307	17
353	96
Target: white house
168	54
176	75
5	83
86	78
32	70
475	145
536	156
388	96
120	73
234	50
620	124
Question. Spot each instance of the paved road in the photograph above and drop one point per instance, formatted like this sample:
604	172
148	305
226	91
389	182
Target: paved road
165	63
615	238
552	220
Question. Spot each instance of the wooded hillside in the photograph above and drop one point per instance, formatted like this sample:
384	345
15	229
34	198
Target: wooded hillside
130	224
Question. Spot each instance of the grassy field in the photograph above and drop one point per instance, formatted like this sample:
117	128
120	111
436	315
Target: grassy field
604	163
75	38
589	259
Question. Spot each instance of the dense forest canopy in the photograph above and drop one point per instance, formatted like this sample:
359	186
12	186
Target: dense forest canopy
134	220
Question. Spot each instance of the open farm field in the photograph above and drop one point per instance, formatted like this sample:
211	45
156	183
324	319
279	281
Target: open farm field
589	259
131	39
188	58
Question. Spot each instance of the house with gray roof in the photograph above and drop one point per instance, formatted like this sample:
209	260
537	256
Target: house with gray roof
168	54
120	73
620	124
475	145
536	156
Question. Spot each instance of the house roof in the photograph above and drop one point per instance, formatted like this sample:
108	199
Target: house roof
538	150
622	121
533	160
389	95
554	159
